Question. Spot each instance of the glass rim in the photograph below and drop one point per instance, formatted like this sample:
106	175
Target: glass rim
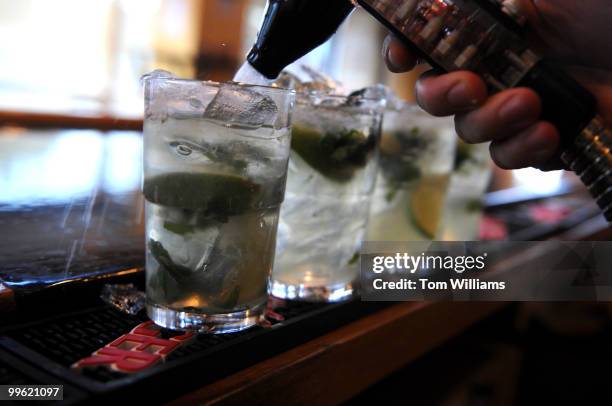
145	78
322	94
307	98
403	105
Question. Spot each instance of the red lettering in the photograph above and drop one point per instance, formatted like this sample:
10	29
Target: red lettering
137	350
123	360
183	337
145	330
145	342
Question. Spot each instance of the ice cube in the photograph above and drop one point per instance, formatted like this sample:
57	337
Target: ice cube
241	107
288	80
157	74
305	79
167	98
222	277
124	297
319	81
223	265
378	92
188	246
197	246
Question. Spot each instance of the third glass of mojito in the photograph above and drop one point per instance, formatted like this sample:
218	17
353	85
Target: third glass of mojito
468	183
332	171
416	157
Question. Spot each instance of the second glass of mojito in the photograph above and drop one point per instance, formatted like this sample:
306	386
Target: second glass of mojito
416	158
332	171
215	165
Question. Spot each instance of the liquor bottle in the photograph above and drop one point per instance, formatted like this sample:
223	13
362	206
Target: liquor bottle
484	36
448	43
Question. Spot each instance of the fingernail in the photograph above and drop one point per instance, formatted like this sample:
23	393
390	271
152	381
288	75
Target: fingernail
458	96
385	47
514	111
392	64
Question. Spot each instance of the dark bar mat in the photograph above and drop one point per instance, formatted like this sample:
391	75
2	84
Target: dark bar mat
45	351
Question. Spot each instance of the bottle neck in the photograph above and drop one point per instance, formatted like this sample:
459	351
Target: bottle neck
292	28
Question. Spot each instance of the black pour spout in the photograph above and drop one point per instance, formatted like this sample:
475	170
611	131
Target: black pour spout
292	28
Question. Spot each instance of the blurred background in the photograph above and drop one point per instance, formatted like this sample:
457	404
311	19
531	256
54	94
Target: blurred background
77	64
70	93
86	57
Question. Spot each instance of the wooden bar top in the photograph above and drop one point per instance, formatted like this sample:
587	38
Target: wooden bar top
67	121
335	367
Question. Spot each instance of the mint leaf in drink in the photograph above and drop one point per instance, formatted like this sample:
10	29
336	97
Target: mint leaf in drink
474	206
178	272
336	155
463	154
217	194
163	289
392	189
400	171
400	153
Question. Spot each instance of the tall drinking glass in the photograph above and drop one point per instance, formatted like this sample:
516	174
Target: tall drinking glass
416	158
332	171
468	184
215	166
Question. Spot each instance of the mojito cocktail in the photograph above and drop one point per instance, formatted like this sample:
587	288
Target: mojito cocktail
416	157
215	164
468	183
331	177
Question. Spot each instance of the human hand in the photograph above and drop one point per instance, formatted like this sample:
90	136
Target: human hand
569	32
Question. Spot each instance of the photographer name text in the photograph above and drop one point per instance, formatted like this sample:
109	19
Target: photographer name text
390	268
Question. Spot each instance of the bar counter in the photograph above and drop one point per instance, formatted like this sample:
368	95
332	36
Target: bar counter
72	221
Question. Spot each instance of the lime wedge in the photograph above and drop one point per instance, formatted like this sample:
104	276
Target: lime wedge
335	155
219	194
427	202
